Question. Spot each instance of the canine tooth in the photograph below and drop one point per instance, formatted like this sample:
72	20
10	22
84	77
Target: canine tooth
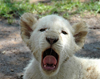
53	66
44	65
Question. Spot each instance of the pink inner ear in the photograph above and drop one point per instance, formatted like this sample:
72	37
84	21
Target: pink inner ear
26	25
26	28
79	37
78	34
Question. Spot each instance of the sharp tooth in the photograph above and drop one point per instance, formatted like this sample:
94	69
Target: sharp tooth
44	65
53	66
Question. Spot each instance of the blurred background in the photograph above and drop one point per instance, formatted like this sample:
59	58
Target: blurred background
15	8
14	54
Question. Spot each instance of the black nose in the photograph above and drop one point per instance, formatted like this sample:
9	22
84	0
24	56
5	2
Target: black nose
52	40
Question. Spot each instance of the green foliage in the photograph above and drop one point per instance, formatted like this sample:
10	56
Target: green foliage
9	9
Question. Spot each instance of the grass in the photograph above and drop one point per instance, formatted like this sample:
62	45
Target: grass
10	9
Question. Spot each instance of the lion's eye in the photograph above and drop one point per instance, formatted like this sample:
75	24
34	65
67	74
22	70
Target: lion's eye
43	29
64	32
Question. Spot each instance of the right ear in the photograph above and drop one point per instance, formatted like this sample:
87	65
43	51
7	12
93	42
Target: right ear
27	21
80	32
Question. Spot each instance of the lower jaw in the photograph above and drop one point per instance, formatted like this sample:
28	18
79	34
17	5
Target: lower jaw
49	73
49	69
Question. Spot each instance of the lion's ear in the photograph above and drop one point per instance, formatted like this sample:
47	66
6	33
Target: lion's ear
27	22
80	32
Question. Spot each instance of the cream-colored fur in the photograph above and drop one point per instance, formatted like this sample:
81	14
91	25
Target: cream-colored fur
70	39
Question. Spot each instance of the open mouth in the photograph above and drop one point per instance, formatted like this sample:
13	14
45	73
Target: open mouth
50	60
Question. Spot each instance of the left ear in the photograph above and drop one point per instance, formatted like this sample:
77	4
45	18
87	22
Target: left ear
80	32
27	23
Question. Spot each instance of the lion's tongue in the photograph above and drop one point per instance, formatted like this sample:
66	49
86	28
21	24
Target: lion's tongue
49	62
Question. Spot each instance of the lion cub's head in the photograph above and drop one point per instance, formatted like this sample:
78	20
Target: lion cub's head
52	40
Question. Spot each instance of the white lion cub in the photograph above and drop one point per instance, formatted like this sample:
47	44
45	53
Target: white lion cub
53	42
